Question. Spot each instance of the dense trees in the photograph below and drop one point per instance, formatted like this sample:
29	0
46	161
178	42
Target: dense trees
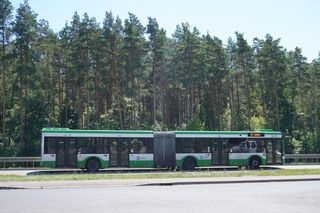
5	17
123	75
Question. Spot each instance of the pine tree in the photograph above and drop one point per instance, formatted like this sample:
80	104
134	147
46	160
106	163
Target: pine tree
214	75
270	58
113	78
186	77
134	47
45	45
157	40
5	18
25	29
315	103
244	57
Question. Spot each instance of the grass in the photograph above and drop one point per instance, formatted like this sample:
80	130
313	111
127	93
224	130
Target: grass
212	174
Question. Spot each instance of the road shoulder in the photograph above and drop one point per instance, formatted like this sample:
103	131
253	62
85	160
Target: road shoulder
152	182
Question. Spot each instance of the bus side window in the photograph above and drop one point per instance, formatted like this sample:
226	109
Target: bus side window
252	146
243	147
136	146
50	145
214	147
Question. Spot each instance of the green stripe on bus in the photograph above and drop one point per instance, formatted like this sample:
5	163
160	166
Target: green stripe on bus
239	162
141	164
50	164
200	163
203	163
244	162
81	164
178	163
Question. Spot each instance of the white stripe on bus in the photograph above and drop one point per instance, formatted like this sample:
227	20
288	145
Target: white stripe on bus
104	157
242	156
140	157
199	156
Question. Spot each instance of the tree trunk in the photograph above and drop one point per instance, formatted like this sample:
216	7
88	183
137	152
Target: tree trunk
98	91
238	100
247	92
154	96
4	86
230	98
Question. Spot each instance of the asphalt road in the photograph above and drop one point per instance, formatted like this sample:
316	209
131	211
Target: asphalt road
272	197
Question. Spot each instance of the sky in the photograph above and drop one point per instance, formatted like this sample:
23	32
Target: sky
295	22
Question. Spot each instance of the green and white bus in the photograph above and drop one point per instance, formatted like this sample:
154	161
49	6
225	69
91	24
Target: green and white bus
98	149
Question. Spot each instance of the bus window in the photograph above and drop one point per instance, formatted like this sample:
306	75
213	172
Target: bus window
50	145
260	145
202	145
185	145
141	146
252	146
102	146
241	146
136	146
87	145
238	145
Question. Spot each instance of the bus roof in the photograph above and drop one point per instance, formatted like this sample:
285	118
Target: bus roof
67	130
231	132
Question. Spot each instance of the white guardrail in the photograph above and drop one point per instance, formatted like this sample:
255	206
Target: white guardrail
13	160
302	158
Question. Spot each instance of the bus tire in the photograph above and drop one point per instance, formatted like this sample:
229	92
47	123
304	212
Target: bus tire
93	165
189	164
254	162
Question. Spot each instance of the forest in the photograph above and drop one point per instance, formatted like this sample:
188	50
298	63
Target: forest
124	75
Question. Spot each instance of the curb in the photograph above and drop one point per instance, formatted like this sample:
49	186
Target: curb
229	182
150	182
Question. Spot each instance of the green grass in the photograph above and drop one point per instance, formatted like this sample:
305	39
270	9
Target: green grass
74	177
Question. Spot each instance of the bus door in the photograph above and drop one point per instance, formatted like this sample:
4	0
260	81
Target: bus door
215	153
270	152
224	152
119	152
274	151
66	152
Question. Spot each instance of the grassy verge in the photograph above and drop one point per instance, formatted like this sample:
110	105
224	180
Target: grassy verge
74	177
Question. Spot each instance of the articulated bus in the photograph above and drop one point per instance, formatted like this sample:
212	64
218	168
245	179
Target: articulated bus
99	149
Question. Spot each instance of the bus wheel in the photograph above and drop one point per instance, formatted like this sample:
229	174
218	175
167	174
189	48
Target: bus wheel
93	165
254	162
189	164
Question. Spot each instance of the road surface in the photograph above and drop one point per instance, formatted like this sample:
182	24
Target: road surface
272	197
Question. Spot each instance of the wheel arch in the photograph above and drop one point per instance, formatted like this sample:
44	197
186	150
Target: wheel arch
255	156
251	158
85	161
189	157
